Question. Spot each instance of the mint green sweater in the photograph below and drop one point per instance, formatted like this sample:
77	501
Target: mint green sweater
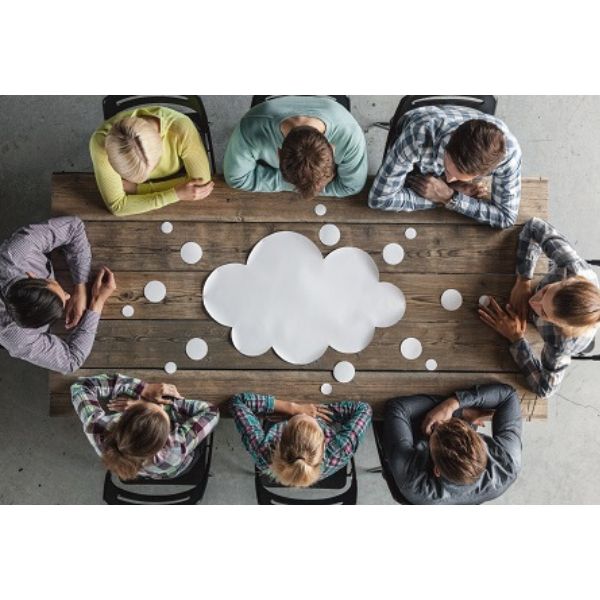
252	161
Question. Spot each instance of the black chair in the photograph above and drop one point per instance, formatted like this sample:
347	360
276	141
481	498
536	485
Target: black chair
385	468
111	105
343	100
484	104
194	478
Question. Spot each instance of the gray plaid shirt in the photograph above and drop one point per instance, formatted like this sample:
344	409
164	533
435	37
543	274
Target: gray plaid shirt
425	132
545	374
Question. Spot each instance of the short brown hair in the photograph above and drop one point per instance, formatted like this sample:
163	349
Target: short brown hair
306	160
577	303
458	452
476	147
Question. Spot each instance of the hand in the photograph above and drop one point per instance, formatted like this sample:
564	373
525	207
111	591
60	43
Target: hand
440	414
430	187
121	404
103	287
129	187
194	190
505	322
473	189
156	392
76	306
520	295
312	410
476	416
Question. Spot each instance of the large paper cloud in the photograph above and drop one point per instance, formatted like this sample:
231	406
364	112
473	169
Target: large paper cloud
289	298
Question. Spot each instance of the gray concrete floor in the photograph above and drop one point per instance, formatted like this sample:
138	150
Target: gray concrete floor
46	461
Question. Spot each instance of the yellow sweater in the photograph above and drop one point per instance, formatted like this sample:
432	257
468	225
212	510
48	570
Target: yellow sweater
181	144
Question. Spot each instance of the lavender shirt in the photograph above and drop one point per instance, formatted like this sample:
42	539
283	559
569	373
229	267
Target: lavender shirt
28	249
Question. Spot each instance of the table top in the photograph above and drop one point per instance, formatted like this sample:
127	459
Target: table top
450	251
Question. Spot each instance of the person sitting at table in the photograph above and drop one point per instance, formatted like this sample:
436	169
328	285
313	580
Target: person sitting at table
564	306
31	300
315	442
436	161
310	144
152	431
137	146
436	456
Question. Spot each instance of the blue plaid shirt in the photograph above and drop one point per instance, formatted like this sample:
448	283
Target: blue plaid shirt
545	374
425	132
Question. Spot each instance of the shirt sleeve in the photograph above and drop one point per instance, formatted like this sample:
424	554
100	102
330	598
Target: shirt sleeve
246	408
111	189
351	171
194	421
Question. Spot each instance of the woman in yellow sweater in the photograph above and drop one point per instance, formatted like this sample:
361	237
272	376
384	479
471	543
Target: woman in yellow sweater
137	146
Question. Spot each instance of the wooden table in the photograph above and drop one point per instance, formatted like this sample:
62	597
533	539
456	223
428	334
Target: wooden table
449	251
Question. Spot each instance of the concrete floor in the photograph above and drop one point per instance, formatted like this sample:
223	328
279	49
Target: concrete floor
47	461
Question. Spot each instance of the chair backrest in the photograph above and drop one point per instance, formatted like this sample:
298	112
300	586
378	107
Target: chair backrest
111	105
195	478
485	104
343	100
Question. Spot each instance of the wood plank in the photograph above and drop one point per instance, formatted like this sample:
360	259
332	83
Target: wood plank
77	194
373	387
467	345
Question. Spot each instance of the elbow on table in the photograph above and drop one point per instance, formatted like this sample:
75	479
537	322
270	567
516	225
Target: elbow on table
507	221
239	182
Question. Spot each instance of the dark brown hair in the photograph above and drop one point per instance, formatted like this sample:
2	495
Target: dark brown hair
32	304
476	147
306	160
458	452
577	303
136	437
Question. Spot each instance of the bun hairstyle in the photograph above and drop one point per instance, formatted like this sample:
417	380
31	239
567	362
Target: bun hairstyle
134	148
299	453
577	303
32	304
458	452
135	438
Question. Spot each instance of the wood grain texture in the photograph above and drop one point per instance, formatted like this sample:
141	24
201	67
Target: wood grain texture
77	194
372	387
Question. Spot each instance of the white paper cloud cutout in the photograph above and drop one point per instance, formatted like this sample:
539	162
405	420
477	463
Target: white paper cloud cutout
289	298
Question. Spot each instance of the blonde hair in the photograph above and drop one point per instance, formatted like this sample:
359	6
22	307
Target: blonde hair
577	305
298	455
134	148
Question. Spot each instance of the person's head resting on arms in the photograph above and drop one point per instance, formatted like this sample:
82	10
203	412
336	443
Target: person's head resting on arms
133	441
134	147
306	160
475	149
297	458
458	453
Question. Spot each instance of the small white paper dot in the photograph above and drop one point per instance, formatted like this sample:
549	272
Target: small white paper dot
127	311
451	299
411	348
191	253
410	233
326	389
431	364
393	254
155	291
320	210
166	227
484	300
329	235
196	348
170	368
344	371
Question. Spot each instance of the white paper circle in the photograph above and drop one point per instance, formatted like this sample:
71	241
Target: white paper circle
166	227
155	291
320	210
344	371
196	348
484	300
411	348
451	299
410	233
127	311
170	368
329	235
191	253
431	364
326	389
393	254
